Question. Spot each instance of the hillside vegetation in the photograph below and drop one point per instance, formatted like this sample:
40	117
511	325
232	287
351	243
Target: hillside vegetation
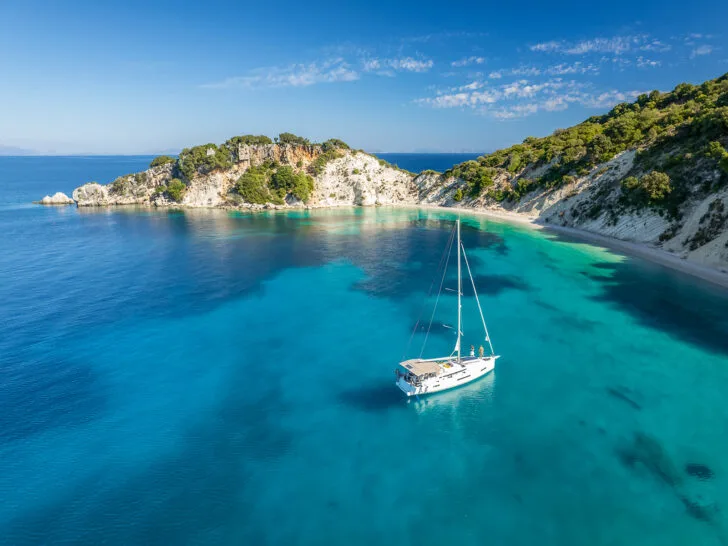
681	138
269	182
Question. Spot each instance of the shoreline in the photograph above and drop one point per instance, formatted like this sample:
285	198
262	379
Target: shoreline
655	255
707	273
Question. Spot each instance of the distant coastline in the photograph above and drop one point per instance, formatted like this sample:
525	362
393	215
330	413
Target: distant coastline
418	162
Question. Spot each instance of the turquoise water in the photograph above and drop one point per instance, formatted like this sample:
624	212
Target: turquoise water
206	377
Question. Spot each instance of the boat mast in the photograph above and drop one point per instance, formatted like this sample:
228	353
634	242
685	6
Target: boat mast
460	291
477	300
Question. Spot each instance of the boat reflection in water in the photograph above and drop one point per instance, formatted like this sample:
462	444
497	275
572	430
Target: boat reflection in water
480	393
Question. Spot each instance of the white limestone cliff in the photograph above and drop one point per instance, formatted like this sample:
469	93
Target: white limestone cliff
58	198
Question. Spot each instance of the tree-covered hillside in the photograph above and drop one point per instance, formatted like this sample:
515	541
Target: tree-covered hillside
270	182
679	135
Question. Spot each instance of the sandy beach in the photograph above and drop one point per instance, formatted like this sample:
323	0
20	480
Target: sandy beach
645	252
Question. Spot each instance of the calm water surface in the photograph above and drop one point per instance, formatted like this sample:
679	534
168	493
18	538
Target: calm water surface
420	162
206	377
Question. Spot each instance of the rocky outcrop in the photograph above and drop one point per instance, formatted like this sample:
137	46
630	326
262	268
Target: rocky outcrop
130	189
361	179
285	154
349	178
92	194
57	198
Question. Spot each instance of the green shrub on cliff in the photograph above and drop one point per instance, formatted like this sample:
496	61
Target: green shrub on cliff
247	140
656	185
290	138
477	176
716	150
162	160
334	144
176	189
252	186
653	187
318	165
723	164
285	180
203	159
630	183
119	186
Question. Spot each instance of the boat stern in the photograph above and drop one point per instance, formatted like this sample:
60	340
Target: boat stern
404	386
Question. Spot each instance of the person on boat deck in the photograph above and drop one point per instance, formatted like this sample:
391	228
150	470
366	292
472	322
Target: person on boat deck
481	351
472	350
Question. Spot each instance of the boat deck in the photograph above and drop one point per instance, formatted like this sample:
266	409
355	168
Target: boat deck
438	366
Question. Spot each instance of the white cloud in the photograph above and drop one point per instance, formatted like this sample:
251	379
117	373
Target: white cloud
643	62
295	75
555	104
525	71
617	45
701	50
458	100
562	69
547	47
471	86
578	67
698	36
403	64
657	46
524	98
411	65
518	111
372	64
608	98
467	61
477	93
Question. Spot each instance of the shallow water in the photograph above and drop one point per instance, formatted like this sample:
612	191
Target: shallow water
210	377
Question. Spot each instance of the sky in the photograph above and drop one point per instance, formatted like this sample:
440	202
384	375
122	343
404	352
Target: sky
138	77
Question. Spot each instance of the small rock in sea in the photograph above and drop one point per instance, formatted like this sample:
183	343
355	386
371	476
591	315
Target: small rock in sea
700	471
58	198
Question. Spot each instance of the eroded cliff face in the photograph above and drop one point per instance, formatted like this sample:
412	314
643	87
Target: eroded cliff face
360	179
130	189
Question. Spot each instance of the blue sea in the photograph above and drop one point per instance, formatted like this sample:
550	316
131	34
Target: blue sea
419	162
210	377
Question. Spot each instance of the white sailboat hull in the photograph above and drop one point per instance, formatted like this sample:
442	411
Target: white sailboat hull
454	375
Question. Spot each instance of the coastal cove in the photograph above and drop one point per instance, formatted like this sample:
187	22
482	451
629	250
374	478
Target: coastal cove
129	412
718	276
653	172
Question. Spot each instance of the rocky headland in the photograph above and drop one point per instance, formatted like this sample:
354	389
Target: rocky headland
652	173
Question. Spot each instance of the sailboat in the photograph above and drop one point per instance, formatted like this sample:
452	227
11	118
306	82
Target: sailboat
430	375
